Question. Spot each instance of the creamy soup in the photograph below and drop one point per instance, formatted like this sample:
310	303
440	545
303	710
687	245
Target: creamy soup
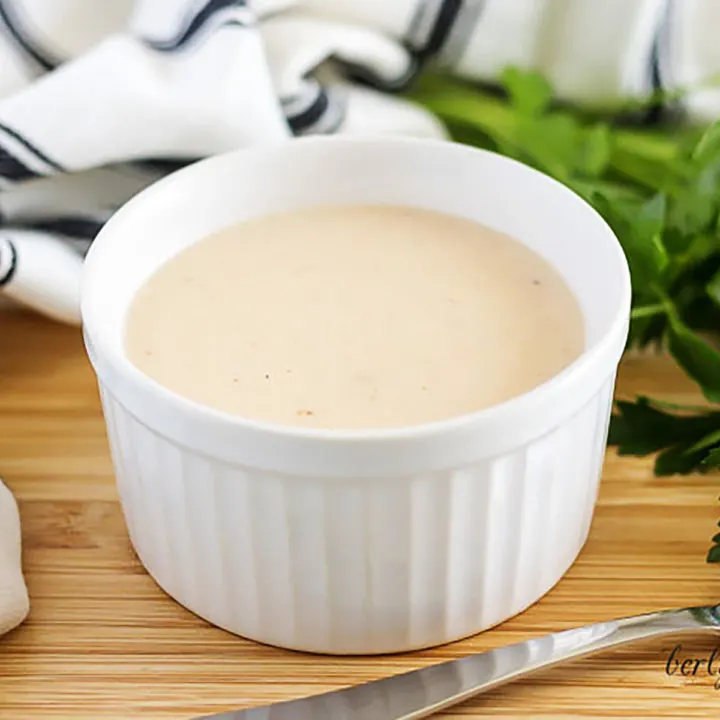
349	317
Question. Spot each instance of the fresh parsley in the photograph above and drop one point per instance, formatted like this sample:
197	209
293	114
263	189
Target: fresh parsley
659	189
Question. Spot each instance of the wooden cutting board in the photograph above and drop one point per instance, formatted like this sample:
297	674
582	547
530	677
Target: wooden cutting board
103	641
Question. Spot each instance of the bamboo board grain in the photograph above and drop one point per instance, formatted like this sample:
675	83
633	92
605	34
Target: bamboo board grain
103	642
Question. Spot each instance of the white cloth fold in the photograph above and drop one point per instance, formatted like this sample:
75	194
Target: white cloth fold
99	99
14	603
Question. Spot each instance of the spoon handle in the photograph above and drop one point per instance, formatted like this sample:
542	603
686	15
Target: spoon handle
420	693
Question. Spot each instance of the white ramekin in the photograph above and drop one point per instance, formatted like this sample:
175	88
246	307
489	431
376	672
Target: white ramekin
362	541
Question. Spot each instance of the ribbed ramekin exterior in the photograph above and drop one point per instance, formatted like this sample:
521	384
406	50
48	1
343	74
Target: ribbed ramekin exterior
344	566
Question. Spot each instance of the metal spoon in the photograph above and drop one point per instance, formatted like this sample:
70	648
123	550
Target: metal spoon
420	693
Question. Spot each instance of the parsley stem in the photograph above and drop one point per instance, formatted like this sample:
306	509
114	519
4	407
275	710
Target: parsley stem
649	310
665	405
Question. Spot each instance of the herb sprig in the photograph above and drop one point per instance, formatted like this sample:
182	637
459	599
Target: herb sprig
659	189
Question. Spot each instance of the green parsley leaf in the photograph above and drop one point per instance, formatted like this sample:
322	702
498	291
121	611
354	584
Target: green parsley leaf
713	459
713	288
709	441
700	361
713	555
707	149
678	461
639	229
643	427
530	93
550	143
595	151
694	207
650	221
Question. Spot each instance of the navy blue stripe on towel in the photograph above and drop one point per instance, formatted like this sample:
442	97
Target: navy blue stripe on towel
13	169
78	228
30	147
8	261
311	115
14	27
196	23
421	51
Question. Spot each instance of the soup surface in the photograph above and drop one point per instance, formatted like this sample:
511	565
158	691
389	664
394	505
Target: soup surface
350	317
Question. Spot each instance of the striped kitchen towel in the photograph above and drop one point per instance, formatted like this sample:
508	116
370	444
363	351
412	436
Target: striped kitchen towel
99	99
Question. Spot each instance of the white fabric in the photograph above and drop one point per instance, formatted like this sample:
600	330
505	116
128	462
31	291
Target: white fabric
14	604
593	52
94	94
